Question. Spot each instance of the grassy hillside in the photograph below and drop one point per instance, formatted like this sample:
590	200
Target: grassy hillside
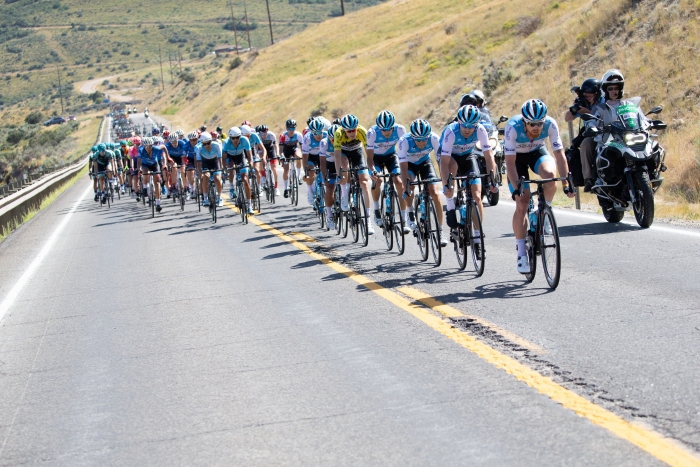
416	58
97	38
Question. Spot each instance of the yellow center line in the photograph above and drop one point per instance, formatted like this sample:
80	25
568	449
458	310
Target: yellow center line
664	449
451	312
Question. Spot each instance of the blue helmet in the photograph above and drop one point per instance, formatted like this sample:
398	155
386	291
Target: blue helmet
94	149
101	147
468	115
316	125
385	120
349	122
155	131
332	129
420	128
534	110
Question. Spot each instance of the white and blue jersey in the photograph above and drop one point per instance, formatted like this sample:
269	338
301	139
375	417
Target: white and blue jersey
409	152
517	141
454	144
310	145
381	145
254	139
214	151
154	158
232	150
326	150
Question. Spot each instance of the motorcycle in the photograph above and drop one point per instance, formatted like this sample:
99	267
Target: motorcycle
145	113
629	163
496	140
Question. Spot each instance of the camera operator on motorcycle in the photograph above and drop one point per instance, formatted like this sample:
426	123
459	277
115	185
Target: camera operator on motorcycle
477	99
588	96
612	84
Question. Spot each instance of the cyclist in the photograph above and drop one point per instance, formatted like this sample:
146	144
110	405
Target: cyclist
93	175
291	147
208	159
151	158
258	152
134	165
328	170
102	166
222	135
190	145
122	153
457	142
382	139
524	146
310	150
269	140
177	154
414	156
237	150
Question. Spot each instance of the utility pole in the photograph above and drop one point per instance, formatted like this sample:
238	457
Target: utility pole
171	68
160	58
247	27
269	20
233	22
342	8
60	89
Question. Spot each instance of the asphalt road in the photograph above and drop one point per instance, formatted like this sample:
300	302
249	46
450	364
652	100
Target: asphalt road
175	341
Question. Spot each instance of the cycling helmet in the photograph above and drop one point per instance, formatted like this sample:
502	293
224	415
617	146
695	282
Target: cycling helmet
349	122
336	121
203	128
122	143
246	130
219	130
94	149
172	137
332	129
205	137
468	115
136	141
613	77
193	135
291	123
101	147
468	99
234	132
166	134
147	141
214	135
156	131
316	126
326	123
179	133
257	128
385	120
534	110
246	122
263	128
420	128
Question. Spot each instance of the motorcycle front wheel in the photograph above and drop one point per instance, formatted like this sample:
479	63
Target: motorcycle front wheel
644	200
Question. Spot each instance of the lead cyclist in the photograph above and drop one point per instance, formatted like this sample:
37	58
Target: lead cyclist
525	147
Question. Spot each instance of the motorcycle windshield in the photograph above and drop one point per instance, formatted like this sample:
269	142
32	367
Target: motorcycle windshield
628	117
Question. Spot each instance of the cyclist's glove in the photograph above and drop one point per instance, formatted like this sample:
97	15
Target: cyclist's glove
406	194
517	192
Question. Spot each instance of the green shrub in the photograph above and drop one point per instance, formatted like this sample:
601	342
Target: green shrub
34	118
15	136
235	63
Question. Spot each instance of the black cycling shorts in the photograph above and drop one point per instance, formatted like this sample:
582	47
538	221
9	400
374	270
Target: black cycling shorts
155	168
177	159
357	160
530	160
390	162
331	174
102	167
209	165
467	164
289	151
314	160
425	170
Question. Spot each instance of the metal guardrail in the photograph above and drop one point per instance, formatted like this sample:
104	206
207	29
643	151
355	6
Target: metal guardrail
28	196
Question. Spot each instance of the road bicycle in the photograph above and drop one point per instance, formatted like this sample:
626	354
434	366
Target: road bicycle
105	189
392	222
339	216
293	181
241	199
178	194
212	195
254	190
465	235
151	192
427	232
319	205
542	234
357	218
270	177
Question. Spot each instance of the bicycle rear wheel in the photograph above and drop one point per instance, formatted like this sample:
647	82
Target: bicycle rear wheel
434	232
397	223
387	222
421	231
363	218
254	195
549	248
181	192
476	241
242	205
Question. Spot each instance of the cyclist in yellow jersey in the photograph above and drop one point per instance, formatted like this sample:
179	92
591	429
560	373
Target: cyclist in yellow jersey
349	144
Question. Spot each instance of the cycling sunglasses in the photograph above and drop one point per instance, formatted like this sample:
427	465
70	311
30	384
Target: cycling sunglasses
291	129
317	133
535	124
419	140
468	126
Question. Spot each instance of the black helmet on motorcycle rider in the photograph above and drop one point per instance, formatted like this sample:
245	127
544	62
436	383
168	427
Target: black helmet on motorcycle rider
615	77
591	86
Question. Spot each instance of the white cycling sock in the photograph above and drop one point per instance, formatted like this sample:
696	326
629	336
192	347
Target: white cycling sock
450	204
409	209
344	190
521	247
298	173
368	211
158	202
329	212
376	205
477	234
286	184
403	214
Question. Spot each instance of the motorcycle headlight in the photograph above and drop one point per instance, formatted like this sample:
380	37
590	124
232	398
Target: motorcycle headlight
632	139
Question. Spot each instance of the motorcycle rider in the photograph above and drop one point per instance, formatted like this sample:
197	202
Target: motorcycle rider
612	84
588	98
476	98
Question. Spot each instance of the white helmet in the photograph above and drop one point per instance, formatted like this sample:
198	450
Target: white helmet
205	137
613	76
234	132
246	130
326	123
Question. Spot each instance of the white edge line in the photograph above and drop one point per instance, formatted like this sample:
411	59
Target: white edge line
599	217
29	272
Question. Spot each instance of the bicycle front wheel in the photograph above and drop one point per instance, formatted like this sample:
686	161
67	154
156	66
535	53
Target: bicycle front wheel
363	218
476	240
198	194
398	223
434	232
254	195
459	237
531	247
387	222
181	191
293	186
421	231
549	248
242	205
212	201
